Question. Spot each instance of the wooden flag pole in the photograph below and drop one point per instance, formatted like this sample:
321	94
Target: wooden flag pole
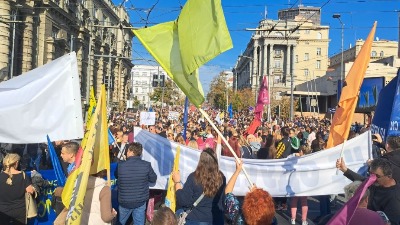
227	144
341	155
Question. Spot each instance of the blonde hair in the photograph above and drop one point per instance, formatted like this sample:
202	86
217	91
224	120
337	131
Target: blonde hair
193	144
9	161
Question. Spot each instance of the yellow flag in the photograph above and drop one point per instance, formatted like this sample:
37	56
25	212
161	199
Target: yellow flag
163	44
182	46
203	33
343	117
92	104
94	160
170	199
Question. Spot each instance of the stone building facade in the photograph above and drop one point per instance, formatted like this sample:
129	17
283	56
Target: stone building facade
33	33
293	48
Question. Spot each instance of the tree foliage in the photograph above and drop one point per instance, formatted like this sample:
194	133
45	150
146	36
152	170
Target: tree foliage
217	93
172	94
240	100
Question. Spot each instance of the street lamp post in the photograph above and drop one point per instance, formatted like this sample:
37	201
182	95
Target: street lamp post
337	16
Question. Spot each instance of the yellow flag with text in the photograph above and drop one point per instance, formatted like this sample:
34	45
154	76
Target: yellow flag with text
182	46
344	114
92	105
170	199
94	159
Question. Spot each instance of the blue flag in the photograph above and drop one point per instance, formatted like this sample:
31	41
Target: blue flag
56	164
111	138
385	109
230	110
394	128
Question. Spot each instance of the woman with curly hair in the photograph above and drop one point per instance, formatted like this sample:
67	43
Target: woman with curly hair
207	179
258	206
13	185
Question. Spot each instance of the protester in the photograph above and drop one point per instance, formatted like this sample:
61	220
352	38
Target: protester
393	155
384	193
362	215
207	179
13	185
304	150
68	153
378	148
258	206
164	216
97	207
133	178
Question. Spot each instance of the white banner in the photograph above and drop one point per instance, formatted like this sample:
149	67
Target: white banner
147	118
310	175
173	115
43	101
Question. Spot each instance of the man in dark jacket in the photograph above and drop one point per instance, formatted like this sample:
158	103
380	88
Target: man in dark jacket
393	155
134	176
385	193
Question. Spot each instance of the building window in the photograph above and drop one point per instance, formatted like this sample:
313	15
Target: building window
319	36
136	90
144	74
297	58
144	98
306	72
318	66
373	54
307	31
318	51
277	52
306	56
54	32
381	54
277	64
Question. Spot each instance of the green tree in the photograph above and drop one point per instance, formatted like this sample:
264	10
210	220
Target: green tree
242	99
136	101
171	93
218	91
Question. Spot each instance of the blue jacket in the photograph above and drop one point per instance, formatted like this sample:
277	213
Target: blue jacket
209	209
134	176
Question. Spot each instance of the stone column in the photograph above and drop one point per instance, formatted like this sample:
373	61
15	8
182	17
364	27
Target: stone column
287	70
27	37
270	63
100	71
50	49
255	67
5	42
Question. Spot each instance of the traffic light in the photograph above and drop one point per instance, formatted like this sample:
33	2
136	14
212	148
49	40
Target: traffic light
158	80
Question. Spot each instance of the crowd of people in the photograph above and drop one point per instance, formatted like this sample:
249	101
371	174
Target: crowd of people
205	192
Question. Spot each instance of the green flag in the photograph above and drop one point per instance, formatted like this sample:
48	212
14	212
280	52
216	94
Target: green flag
203	33
182	46
163	44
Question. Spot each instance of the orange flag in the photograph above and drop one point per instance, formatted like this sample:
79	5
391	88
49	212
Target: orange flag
343	117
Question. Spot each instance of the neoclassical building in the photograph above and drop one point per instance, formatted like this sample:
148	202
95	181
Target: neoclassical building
294	47
33	33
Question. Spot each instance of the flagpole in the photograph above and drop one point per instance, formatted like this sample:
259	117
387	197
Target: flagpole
341	155
185	117
227	144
